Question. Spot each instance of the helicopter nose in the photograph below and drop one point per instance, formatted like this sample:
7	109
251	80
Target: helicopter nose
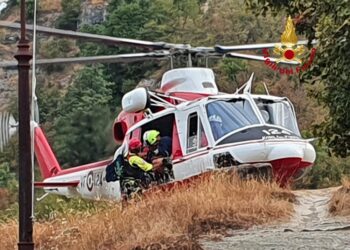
285	151
288	159
305	151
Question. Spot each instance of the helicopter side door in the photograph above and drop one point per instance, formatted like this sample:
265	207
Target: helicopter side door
195	145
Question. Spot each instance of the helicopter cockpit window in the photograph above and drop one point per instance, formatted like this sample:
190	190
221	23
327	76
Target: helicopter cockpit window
196	137
278	113
227	116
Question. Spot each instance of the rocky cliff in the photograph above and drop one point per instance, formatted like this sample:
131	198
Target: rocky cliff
92	12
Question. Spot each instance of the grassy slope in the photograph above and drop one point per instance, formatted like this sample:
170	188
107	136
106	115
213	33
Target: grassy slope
174	218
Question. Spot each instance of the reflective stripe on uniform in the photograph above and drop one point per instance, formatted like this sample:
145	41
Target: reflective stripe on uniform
135	160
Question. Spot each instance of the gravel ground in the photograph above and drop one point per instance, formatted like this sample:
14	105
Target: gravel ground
310	228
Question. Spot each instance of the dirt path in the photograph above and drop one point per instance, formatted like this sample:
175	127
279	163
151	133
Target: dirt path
310	228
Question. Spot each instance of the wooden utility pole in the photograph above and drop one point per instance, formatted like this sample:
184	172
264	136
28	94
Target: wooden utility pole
25	198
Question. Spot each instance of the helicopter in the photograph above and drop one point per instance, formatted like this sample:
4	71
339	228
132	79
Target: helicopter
210	130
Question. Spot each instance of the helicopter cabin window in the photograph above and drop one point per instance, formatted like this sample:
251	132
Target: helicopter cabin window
227	116
196	137
165	125
278	112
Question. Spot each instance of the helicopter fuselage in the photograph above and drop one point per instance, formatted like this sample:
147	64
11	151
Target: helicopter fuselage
209	131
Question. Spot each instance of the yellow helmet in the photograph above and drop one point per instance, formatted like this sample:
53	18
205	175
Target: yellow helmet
151	137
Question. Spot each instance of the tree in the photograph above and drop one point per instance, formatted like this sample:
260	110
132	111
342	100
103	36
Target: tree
329	22
228	70
56	48
70	17
136	19
82	127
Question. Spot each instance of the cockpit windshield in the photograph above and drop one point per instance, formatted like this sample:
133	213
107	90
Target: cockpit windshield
279	113
227	116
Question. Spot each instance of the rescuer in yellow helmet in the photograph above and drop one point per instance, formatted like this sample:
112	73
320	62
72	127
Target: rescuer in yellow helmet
159	150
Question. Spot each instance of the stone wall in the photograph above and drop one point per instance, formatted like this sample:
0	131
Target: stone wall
8	87
93	12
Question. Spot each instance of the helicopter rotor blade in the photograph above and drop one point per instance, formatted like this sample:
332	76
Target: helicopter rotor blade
226	49
260	58
123	58
91	37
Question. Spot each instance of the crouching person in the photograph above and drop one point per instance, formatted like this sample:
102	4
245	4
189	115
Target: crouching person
138	167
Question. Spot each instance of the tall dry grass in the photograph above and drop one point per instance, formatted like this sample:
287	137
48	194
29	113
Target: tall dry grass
165	219
340	201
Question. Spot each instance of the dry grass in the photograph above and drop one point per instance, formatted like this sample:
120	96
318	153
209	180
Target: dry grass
49	5
165	219
4	198
340	202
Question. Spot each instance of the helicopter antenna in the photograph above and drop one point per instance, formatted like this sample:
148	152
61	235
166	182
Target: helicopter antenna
206	61
267	91
189	64
171	62
248	86
242	87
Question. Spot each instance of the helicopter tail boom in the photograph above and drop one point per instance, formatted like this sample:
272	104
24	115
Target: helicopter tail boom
47	161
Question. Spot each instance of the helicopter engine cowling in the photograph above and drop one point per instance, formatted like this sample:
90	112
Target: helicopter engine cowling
189	80
123	122
136	100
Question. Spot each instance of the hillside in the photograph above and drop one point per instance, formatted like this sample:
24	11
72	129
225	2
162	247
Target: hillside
49	12
78	104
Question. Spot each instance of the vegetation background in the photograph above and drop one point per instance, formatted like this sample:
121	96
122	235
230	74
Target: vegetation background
78	104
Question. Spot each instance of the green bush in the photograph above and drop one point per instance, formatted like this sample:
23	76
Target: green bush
7	178
56	49
327	171
54	206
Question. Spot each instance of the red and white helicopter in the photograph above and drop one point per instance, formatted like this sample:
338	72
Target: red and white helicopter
209	129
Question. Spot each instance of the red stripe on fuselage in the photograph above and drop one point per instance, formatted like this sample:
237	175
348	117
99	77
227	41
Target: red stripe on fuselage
83	167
